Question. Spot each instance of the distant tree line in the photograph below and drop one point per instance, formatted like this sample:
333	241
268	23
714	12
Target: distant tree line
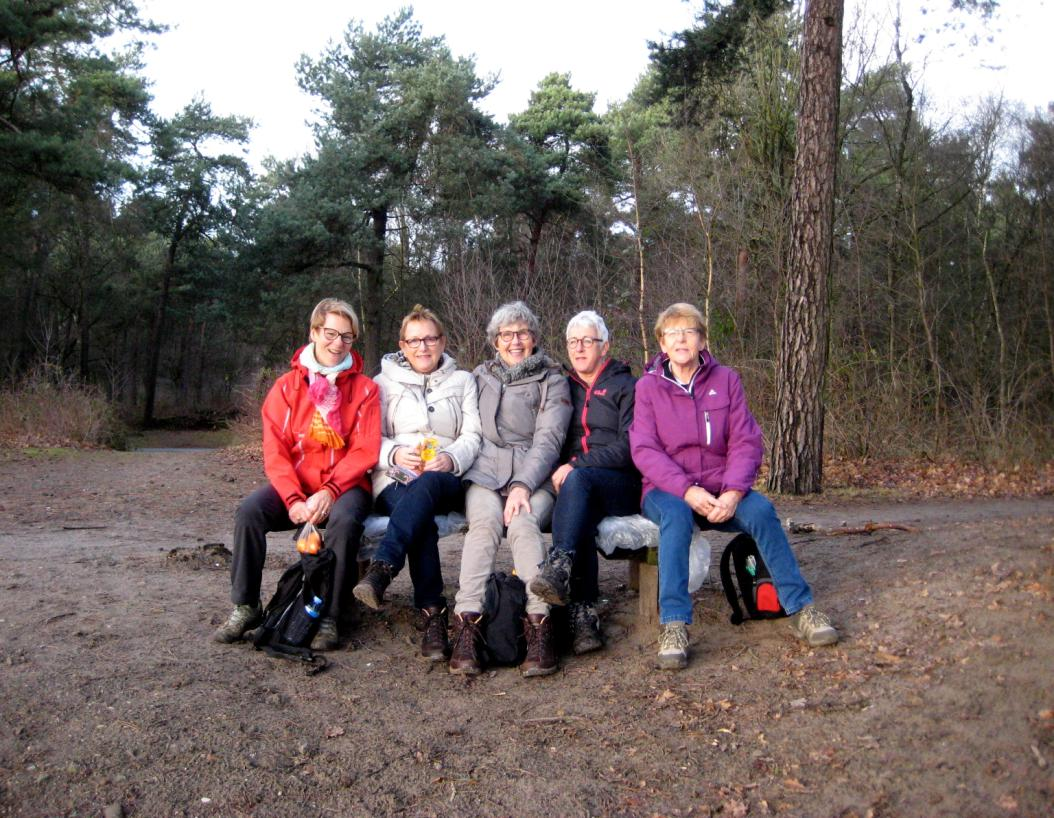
140	253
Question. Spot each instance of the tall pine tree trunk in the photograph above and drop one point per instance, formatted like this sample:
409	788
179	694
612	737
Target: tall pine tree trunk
797	446
374	295
157	336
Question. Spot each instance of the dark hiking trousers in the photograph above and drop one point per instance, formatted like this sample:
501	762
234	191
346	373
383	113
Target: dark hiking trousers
264	511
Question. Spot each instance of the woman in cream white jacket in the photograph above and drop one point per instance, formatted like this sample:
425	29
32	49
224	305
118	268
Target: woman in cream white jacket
430	430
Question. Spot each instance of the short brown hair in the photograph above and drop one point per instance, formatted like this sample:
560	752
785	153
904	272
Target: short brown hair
328	305
678	311
420	313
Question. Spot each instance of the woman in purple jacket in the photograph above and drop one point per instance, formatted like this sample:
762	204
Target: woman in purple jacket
698	449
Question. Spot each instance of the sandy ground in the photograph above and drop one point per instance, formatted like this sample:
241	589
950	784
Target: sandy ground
937	702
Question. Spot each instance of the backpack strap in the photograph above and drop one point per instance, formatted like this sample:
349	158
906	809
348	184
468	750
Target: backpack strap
276	650
726	581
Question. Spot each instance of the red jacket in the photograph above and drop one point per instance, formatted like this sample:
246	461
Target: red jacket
297	465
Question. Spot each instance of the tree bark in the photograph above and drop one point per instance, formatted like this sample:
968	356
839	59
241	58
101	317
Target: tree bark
373	297
797	447
157	336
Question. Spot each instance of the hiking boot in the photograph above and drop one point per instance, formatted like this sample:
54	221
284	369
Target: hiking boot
326	637
551	583
585	629
541	658
813	627
673	646
370	590
434	644
242	619
466	656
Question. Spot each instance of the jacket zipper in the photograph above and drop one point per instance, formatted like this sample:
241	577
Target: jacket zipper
585	405
707	416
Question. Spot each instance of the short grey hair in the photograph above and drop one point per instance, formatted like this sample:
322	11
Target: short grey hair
512	313
588	318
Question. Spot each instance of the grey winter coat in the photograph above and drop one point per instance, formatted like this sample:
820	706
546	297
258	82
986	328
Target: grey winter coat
413	406
525	411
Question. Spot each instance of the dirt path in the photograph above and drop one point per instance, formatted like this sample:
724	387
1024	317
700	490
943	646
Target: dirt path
938	702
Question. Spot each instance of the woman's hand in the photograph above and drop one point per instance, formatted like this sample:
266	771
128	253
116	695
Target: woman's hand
560	475
408	458
319	504
441	462
299	513
700	500
724	507
519	500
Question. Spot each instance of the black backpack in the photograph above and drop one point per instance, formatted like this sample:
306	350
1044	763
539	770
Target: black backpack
287	630
755	585
504	608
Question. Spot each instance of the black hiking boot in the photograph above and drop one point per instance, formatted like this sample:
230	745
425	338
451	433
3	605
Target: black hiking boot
370	589
552	582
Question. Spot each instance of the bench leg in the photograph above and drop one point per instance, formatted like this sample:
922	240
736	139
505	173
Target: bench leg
648	597
634	575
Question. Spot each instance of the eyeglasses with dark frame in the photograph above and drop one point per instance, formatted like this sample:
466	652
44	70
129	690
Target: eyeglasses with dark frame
348	338
586	342
506	336
428	341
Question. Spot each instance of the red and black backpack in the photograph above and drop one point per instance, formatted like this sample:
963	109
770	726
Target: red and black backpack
755	586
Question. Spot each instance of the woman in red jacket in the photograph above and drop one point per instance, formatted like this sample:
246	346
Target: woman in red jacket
321	437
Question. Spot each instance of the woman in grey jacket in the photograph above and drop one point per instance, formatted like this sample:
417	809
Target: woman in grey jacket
430	435
525	407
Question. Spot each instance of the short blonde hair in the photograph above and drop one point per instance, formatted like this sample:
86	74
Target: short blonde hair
328	305
676	312
420	313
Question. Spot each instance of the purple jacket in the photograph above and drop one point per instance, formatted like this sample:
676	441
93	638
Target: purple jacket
707	438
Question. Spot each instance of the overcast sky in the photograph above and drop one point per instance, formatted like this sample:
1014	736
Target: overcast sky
240	55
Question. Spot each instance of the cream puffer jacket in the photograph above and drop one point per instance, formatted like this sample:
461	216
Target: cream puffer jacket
442	404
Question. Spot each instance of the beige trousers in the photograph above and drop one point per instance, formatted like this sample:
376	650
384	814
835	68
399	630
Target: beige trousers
484	509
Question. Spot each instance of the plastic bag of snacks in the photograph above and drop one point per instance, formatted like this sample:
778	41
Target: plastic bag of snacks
309	539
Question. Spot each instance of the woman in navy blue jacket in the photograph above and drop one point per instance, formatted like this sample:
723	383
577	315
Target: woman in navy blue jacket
596	479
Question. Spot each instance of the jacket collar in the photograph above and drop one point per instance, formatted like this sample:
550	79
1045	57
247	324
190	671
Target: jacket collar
528	367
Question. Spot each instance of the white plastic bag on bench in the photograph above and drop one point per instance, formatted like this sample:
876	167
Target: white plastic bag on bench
635	531
375	526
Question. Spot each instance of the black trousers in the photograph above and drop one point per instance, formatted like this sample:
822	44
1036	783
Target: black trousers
264	511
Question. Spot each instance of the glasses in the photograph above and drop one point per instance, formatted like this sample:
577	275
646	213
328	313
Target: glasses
681	332
585	343
348	338
428	341
506	336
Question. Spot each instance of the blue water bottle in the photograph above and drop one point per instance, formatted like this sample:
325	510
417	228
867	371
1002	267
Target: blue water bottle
302	619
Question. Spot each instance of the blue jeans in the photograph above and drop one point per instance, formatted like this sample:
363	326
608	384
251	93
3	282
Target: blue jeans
412	532
754	515
587	496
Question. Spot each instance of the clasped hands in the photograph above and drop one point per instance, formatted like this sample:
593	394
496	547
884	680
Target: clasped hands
715	509
313	510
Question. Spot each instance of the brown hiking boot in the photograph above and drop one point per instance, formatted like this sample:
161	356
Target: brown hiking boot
370	590
466	655
541	657
434	643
